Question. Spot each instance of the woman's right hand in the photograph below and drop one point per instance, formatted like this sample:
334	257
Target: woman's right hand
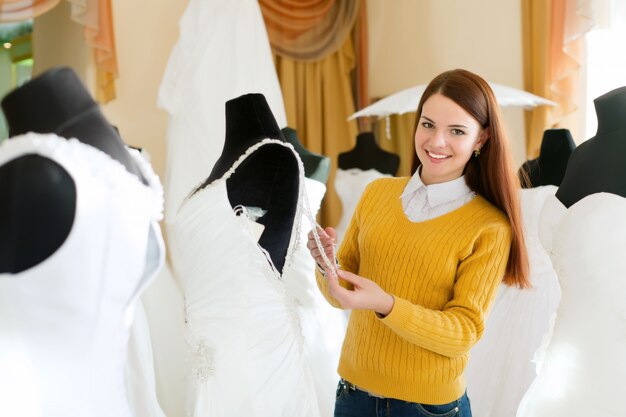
328	239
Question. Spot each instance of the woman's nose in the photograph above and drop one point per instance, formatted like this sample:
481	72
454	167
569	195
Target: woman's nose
438	139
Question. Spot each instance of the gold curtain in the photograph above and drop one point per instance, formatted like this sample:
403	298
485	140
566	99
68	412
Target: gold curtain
318	100
102	40
395	134
308	31
19	10
553	42
96	16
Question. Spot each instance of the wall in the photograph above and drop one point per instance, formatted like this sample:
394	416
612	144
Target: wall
145	35
57	41
413	41
146	32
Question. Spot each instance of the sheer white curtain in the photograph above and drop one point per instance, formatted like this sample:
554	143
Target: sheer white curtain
606	56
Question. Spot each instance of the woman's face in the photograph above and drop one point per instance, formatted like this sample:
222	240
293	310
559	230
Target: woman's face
445	139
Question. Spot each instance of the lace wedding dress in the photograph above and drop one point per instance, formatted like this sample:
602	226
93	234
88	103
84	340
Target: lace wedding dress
241	323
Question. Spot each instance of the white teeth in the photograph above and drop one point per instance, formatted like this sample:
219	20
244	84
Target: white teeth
436	156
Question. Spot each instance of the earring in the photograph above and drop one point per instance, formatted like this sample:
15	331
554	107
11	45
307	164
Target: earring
476	153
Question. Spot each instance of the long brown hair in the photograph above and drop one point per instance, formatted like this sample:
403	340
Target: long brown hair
492	173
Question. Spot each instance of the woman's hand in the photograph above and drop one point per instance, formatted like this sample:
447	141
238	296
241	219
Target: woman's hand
328	238
366	294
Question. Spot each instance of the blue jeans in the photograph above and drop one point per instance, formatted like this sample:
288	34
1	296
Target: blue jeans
351	402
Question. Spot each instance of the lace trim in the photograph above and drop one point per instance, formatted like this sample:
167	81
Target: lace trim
96	161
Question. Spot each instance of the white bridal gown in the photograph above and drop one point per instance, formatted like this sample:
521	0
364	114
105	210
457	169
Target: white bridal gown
582	369
349	185
246	355
500	368
323	326
64	323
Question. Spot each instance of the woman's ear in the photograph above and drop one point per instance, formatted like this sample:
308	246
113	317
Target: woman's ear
483	137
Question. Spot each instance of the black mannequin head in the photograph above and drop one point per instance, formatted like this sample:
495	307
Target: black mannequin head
249	120
599	164
366	154
549	168
57	102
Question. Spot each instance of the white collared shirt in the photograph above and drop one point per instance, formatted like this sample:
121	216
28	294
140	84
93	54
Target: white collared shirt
424	202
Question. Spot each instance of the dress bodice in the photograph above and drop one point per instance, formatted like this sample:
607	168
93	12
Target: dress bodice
350	184
65	321
242	327
582	367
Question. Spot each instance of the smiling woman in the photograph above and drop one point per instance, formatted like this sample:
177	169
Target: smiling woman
423	257
445	138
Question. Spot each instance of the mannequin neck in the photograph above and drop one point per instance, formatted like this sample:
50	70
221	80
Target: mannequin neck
610	110
366	141
557	145
249	120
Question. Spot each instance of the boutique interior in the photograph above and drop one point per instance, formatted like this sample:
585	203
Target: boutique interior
234	125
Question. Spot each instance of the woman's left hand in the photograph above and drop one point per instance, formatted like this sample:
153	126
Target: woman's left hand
366	294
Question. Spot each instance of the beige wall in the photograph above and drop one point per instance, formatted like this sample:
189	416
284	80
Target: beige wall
57	41
145	33
412	41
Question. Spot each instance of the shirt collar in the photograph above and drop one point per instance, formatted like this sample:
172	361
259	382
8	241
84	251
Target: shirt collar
437	193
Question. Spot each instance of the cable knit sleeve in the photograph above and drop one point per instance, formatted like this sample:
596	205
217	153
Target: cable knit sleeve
453	330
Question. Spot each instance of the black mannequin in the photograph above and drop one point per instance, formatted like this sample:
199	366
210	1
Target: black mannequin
367	155
549	168
37	196
316	167
268	178
599	164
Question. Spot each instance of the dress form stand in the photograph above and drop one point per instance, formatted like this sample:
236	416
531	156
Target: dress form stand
37	196
316	167
366	154
268	179
582	362
549	168
599	164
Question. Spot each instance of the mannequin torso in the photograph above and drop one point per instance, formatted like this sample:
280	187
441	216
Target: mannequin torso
549	168
368	155
598	165
268	179
37	196
316	167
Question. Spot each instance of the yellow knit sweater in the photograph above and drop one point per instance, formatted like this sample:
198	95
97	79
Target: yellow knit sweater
443	274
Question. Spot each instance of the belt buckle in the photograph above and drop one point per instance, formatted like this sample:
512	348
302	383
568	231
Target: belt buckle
348	385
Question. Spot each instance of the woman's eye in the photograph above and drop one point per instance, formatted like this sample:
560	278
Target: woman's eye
457	132
427	125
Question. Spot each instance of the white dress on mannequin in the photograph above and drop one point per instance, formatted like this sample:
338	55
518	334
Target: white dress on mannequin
222	52
65	321
500	367
242	328
350	184
581	371
323	326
